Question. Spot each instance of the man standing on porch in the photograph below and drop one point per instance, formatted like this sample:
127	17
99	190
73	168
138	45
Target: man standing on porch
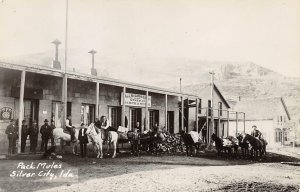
12	135
46	133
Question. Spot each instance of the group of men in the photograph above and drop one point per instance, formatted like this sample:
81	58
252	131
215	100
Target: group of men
32	131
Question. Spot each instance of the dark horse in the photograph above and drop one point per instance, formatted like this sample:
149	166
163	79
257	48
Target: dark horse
134	138
257	146
189	142
244	146
220	145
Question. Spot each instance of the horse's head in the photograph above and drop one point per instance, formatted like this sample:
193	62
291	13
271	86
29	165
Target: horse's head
247	138
239	136
91	131
213	136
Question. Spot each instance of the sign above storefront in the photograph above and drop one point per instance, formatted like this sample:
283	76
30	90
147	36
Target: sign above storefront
6	113
135	100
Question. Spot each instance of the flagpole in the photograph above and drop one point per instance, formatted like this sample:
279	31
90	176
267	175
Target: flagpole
65	82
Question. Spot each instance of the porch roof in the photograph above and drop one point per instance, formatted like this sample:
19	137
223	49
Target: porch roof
85	77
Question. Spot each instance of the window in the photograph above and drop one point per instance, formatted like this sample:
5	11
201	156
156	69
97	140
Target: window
153	118
87	114
209	107
115	116
285	136
278	135
220	108
200	106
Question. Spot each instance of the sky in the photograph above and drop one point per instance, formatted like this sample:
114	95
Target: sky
266	32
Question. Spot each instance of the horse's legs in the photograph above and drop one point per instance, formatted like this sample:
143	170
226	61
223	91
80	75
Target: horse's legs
187	150
61	145
108	146
100	149
97	150
73	148
115	149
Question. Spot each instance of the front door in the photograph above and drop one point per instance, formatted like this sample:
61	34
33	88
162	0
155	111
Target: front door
114	114
170	127
135	116
31	110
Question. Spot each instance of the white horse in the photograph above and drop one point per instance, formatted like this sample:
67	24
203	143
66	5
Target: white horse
97	140
58	133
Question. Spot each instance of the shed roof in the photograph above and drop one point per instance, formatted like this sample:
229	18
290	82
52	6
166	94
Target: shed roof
207	85
263	108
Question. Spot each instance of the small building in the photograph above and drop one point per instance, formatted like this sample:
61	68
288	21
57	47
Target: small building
219	111
88	98
270	115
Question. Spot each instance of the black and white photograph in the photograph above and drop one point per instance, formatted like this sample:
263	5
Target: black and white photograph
150	95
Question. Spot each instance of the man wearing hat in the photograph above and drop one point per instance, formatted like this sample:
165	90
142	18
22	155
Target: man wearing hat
46	134
258	135
83	139
12	135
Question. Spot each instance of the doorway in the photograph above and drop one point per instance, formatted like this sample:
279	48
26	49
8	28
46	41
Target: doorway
135	116
31	110
87	113
170	121
153	118
114	114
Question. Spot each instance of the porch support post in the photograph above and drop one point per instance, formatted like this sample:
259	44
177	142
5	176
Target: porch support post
187	117
207	127
196	114
97	100
244	122
219	123
21	108
227	123
147	112
123	107
166	112
236	122
182	114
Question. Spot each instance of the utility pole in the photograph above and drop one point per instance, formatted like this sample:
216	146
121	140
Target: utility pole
56	63
180	84
182	109
65	83
93	70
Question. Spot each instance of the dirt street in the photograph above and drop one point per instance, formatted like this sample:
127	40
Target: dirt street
157	173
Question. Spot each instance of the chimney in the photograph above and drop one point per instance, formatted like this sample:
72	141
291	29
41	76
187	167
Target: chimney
93	70
56	63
